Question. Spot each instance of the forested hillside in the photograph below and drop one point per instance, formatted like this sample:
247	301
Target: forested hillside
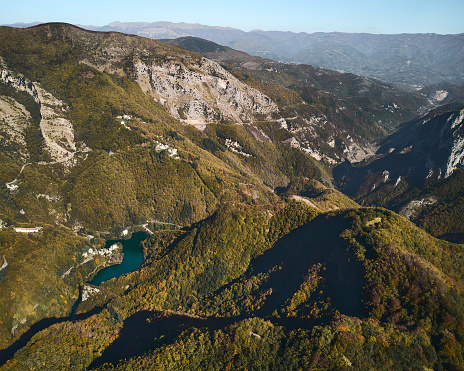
417	172
274	287
254	258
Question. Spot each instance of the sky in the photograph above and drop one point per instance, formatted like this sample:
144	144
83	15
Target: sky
371	16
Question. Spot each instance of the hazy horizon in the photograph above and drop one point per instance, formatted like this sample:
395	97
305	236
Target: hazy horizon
360	16
31	24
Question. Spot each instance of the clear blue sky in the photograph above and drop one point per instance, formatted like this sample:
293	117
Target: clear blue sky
373	16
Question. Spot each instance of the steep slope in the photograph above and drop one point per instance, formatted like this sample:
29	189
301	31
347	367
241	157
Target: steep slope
442	94
428	147
193	89
100	93
436	139
85	148
331	115
404	59
361	286
56	131
40	275
98	144
84	113
13	117
436	207
416	172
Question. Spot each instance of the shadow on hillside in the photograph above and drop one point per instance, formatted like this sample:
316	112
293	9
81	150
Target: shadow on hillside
453	237
313	243
153	250
145	331
9	352
316	242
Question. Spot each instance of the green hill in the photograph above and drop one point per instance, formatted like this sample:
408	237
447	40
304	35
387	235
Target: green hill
95	89
416	172
256	261
281	287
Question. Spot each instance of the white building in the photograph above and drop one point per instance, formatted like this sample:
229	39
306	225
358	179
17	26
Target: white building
28	230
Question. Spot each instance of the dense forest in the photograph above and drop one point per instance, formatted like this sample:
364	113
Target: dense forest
254	257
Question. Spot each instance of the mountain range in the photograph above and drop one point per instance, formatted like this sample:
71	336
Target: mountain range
405	59
298	217
408	60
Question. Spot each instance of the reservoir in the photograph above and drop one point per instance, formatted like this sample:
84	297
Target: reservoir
133	259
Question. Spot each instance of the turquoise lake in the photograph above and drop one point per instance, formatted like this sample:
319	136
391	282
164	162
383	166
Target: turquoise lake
133	259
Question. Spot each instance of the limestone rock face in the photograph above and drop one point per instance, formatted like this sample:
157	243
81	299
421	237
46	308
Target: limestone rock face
456	157
17	81
14	120
428	148
409	210
202	92
432	145
56	130
198	91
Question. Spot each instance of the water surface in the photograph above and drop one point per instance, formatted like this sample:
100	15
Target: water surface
133	259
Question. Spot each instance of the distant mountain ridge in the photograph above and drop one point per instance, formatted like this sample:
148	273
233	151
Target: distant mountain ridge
404	59
410	59
254	261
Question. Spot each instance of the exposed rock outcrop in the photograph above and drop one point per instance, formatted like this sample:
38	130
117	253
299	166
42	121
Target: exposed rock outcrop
18	81
202	92
432	146
88	291
57	131
14	120
5	264
426	149
411	207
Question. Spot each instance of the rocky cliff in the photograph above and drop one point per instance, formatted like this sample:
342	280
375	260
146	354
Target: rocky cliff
422	152
200	91
57	131
434	143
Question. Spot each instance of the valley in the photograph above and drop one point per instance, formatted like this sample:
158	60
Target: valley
409	60
283	216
